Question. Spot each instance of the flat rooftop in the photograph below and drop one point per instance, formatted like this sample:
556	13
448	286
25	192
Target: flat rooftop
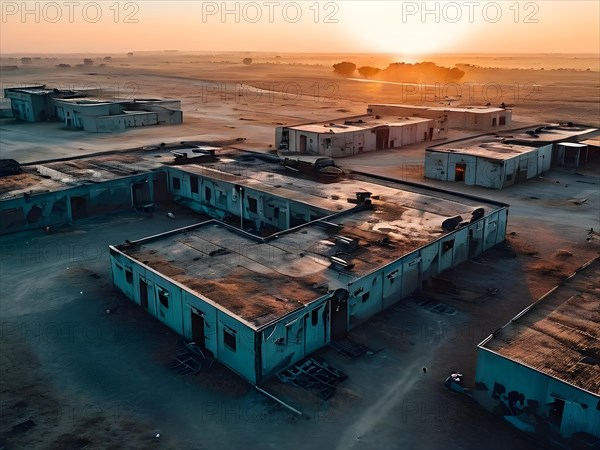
359	123
33	91
487	146
466	108
36	89
592	142
546	134
43	90
508	144
261	280
272	178
85	101
64	174
560	334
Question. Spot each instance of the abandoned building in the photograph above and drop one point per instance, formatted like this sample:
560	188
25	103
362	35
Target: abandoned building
466	117
486	162
353	135
292	263
497	161
102	116
61	192
541	371
35	103
77	110
285	264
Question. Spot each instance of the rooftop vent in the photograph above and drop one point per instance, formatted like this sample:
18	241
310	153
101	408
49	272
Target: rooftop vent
363	198
477	214
340	263
451	223
202	151
347	242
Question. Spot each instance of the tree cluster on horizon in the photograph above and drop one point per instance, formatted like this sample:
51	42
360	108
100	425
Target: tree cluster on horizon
400	71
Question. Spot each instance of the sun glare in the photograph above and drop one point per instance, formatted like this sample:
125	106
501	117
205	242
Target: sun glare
391	28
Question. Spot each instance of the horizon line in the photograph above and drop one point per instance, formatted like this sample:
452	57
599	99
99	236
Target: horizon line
172	51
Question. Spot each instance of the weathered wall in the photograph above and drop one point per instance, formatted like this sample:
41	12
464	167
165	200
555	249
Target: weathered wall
495	370
68	205
219	199
175	312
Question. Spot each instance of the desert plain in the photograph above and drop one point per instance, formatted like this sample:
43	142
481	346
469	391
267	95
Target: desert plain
92	380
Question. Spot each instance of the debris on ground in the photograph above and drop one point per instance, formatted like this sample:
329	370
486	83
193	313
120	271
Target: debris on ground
579	201
436	307
348	348
315	375
190	359
454	382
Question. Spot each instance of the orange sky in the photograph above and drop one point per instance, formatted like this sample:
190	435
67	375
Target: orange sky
400	27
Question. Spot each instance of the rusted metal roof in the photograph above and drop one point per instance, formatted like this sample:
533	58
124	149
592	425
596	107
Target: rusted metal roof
560	334
262	280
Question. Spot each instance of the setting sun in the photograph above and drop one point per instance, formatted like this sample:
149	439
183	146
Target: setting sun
403	30
399	28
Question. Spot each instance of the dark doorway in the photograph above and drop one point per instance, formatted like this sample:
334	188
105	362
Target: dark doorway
198	330
302	148
556	411
494	122
522	175
141	194
194	184
143	293
459	172
430	133
472	245
571	158
161	192
475	239
382	136
34	214
78	208
339	313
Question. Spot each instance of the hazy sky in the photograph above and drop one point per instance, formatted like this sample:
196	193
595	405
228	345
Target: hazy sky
398	27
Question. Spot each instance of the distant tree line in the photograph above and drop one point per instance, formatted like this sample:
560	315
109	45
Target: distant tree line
399	71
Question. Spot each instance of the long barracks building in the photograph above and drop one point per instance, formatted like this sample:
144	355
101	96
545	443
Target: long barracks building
288	263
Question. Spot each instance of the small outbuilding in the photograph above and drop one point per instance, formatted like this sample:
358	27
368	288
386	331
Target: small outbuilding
462	117
499	160
359	134
77	109
486	162
541	371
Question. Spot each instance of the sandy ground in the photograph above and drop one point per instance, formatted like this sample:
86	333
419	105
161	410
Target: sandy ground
92	380
222	98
